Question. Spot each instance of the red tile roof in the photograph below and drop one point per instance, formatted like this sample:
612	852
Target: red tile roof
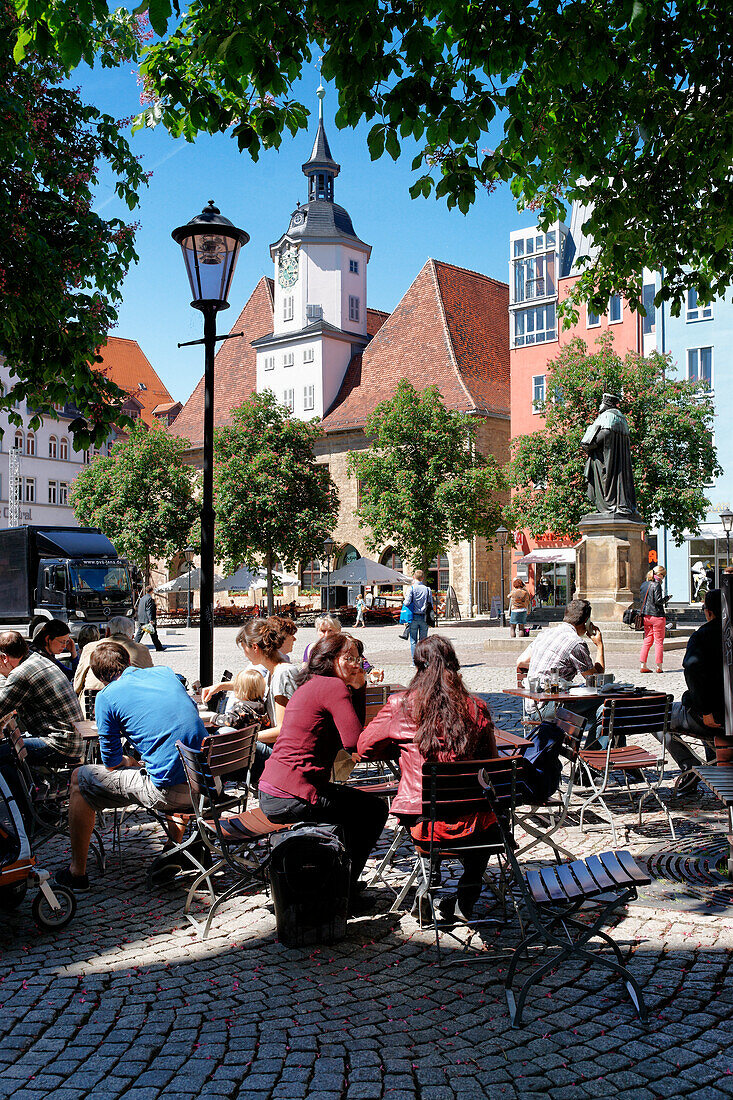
451	329
125	363
375	320
235	373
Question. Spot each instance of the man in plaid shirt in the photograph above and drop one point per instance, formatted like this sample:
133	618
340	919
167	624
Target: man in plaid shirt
45	701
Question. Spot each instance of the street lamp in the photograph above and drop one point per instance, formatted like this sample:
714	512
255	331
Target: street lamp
726	518
328	545
188	555
501	537
210	246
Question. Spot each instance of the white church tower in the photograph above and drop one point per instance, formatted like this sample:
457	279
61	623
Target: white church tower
320	295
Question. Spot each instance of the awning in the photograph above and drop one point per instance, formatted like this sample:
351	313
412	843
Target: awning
708	531
563	555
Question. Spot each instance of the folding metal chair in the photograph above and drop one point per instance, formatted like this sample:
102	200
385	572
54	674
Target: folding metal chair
239	842
622	718
555	810
553	896
451	791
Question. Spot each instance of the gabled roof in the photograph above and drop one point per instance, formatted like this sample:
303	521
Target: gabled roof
451	329
235	371
125	363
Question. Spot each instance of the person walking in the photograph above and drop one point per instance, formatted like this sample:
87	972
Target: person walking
655	618
519	604
419	601
360	607
147	617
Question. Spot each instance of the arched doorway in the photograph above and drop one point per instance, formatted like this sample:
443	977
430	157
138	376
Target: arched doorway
347	555
392	560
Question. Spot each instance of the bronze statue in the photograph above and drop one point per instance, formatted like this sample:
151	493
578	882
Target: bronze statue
608	470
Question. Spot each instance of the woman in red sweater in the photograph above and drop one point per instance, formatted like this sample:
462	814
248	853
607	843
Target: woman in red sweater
324	715
436	719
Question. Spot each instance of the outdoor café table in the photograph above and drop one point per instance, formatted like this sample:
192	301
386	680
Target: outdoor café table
562	697
90	736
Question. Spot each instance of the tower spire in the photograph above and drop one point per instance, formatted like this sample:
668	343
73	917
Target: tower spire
321	169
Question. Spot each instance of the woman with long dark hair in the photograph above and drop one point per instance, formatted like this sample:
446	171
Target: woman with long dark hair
325	714
436	719
52	637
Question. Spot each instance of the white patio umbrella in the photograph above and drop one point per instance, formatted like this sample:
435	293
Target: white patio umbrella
246	581
364	571
181	584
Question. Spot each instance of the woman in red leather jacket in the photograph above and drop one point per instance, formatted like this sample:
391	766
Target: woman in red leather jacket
436	719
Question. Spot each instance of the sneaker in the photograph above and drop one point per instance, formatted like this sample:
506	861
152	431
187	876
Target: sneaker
78	883
687	785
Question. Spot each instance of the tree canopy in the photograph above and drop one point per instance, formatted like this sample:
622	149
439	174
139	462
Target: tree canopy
61	264
272	499
423	483
142	496
626	106
672	450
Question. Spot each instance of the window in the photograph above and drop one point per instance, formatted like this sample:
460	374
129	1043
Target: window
310	574
52	446
309	398
269	362
64	449
28	489
288	358
534	326
353	308
289	399
700	365
439	572
86	458
63	492
695	311
615	309
30	444
141	386
534	277
308	355
538	392
354	267
19	440
53	492
592	319
649	323
288	308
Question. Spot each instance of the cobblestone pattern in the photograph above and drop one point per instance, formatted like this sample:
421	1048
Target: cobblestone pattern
127	1001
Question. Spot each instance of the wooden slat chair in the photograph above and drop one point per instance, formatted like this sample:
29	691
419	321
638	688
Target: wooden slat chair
542	821
720	781
44	794
88	699
623	718
239	842
553	896
450	791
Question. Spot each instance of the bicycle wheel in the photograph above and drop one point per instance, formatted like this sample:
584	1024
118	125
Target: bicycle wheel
49	919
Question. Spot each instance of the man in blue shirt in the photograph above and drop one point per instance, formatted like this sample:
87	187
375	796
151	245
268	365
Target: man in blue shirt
418	600
150	707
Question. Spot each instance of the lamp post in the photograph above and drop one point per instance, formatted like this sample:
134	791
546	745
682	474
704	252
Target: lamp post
726	518
501	537
210	246
328	545
188	556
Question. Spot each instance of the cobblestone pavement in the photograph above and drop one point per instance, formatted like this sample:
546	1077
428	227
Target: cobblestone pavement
127	1001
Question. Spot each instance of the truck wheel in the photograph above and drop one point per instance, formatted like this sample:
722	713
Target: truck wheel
35	621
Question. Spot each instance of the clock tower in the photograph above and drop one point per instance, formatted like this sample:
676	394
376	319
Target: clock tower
320	294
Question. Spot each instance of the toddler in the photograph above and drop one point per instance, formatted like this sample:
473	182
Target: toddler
246	701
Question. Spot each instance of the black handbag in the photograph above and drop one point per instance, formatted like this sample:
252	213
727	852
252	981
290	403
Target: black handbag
430	613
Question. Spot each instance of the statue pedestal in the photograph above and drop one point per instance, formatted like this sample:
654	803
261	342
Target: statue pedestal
612	562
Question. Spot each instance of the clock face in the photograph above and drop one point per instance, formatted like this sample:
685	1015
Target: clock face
288	268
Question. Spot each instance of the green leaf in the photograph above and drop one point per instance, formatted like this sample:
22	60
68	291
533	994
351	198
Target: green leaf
159	12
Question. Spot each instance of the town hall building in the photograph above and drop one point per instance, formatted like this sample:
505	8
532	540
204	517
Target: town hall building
310	338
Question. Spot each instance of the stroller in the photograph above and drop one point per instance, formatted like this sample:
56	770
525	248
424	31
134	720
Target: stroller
52	908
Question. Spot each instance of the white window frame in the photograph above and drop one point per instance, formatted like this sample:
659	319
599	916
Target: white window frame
86	458
63	492
53	446
53	492
698	350
269	362
548	339
535	378
28	490
288	307
309	398
289	359
64	449
308	355
19	441
354	307
621	309
289	399
698	312
588	322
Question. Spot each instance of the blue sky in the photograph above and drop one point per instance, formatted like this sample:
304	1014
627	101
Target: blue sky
259	197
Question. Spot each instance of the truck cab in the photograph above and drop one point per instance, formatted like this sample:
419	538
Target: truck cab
82	591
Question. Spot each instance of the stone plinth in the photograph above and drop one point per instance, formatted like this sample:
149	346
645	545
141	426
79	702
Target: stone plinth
612	562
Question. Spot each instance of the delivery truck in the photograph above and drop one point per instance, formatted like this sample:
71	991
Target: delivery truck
68	573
